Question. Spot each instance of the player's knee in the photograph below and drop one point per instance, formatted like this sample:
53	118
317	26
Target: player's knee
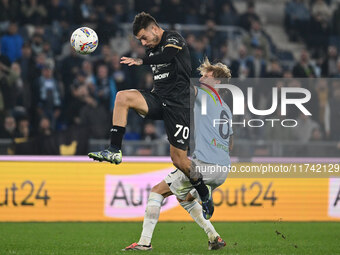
122	98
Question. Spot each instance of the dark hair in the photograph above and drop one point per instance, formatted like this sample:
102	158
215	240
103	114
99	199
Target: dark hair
142	21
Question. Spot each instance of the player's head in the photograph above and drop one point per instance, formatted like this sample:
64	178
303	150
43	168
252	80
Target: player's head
213	73
146	29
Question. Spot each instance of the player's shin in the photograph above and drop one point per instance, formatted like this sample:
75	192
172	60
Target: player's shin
195	211
151	216
116	137
197	182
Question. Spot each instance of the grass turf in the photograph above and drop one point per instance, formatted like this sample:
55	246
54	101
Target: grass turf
169	238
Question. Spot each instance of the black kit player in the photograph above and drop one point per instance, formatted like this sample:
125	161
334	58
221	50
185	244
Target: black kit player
168	55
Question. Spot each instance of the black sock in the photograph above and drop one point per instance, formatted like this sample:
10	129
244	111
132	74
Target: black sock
116	135
201	188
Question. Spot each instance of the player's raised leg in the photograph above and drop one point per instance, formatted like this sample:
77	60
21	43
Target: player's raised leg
125	100
188	167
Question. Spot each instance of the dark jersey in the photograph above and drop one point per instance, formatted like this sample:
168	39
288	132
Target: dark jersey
172	80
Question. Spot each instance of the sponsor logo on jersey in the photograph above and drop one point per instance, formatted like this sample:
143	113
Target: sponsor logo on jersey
219	145
180	141
161	76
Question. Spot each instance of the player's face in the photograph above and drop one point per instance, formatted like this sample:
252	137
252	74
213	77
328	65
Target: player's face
208	78
148	37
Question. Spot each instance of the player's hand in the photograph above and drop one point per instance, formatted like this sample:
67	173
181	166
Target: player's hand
131	61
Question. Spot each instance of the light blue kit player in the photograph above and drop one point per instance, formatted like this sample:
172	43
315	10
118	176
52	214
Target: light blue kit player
213	141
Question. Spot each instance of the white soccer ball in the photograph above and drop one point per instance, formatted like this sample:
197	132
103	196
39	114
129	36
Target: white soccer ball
84	40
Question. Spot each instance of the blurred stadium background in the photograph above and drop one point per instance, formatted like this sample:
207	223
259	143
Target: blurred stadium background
53	101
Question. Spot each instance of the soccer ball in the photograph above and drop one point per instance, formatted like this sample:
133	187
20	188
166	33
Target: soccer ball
84	40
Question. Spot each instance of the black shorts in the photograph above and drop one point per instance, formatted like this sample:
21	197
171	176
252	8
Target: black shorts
176	119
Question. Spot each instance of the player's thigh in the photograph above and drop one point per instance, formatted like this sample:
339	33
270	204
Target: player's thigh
177	126
162	188
178	183
155	111
134	99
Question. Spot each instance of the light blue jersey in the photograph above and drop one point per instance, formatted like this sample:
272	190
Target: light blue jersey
212	129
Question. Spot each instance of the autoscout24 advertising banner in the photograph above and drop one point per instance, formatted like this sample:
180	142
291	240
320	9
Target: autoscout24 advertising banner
80	190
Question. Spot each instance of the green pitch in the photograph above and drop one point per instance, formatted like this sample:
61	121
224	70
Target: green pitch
169	238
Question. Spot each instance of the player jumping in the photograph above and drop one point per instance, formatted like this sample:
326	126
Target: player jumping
206	154
169	57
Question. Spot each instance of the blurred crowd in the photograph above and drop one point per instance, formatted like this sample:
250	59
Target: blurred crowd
46	87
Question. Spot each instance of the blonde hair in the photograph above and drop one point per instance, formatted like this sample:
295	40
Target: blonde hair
219	70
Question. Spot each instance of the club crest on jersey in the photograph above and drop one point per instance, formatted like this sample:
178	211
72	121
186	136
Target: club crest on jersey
85	31
173	40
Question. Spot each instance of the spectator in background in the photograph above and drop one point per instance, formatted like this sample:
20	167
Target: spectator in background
212	40
11	43
147	83
195	62
44	127
9	129
105	88
329	65
243	66
15	92
320	32
80	96
69	68
107	28
332	116
297	19
120	74
84	12
255	39
317	135
304	69
322	10
173	11
337	75
249	16
274	69
8	11
105	55
228	17
87	69
260	64
48	96
32	12
322	92
9	83
336	23
37	42
304	129
278	132
26	64
224	54
149	134
57	12
23	128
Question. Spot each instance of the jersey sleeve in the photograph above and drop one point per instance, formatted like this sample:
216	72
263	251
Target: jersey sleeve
175	41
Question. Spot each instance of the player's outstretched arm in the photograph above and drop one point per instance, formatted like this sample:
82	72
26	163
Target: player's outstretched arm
165	57
131	61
